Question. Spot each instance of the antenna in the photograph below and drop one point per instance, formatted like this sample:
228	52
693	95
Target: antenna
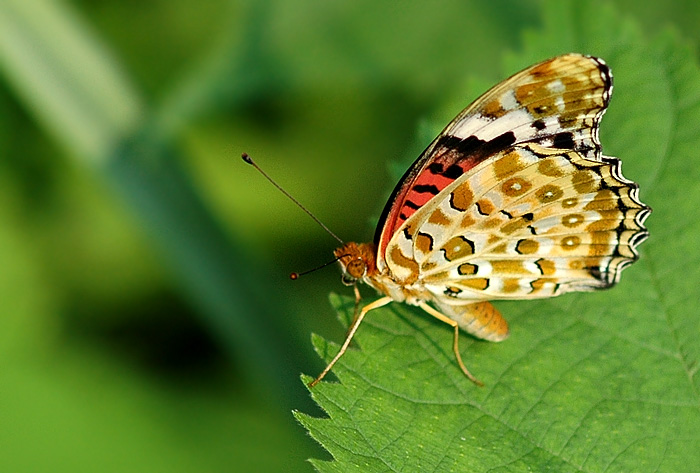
250	161
296	276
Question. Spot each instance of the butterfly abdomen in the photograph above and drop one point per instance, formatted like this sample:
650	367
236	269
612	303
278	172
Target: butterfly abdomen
480	319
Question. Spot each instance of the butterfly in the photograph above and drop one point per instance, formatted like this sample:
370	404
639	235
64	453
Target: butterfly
512	200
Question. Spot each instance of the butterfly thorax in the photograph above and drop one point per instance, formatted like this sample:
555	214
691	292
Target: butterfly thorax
359	263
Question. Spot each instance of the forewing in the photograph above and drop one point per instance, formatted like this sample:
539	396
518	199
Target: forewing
532	222
556	104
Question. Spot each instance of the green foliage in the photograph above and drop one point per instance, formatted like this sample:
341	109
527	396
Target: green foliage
587	382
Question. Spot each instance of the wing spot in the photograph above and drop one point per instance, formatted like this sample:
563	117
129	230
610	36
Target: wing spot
485	207
513	226
467	269
527	247
549	193
570	242
572	220
439	218
601	243
603	200
511	285
508	165
564	141
453	172
458	247
476	283
435	168
517	224
537	284
606	224
493	109
576	264
500	249
515	186
549	167
491	223
546	267
426	188
569	202
585	181
467	221
424	243
462	197
508	267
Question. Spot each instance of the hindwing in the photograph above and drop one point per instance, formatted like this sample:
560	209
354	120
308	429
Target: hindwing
532	222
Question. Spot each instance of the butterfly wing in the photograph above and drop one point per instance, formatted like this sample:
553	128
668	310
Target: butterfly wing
532	222
514	199
557	103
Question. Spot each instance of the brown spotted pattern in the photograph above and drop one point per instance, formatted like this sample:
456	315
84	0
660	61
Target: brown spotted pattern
529	234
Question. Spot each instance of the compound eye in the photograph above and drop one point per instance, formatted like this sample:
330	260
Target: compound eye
356	268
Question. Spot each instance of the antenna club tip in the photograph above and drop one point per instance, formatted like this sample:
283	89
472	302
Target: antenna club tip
294	276
246	158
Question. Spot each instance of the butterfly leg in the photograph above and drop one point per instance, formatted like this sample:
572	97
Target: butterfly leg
355	312
353	328
455	344
358	298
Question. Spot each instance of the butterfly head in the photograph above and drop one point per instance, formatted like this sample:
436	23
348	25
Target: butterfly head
357	261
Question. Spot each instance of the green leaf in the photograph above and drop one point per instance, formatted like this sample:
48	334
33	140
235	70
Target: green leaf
595	382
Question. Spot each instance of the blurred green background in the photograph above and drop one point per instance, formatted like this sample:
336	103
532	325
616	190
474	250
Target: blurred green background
148	323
